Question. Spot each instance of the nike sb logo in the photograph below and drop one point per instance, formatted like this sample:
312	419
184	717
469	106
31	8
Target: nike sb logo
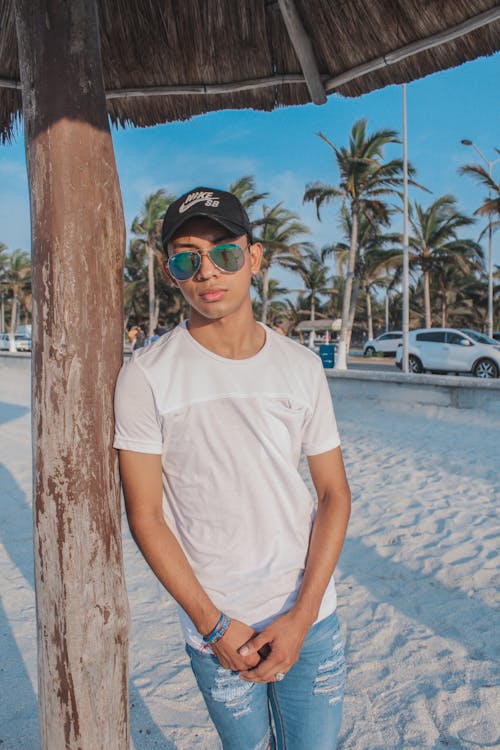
202	196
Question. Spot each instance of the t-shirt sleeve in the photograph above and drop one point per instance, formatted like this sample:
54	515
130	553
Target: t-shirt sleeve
137	424
320	428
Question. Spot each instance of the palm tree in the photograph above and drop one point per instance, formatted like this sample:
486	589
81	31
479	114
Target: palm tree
277	231
490	208
491	205
311	268
3	259
276	307
244	189
435	244
3	282
168	298
373	257
17	280
147	230
365	179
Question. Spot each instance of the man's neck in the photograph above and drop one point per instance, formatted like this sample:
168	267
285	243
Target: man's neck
228	337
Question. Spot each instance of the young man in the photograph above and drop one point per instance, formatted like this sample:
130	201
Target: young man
211	421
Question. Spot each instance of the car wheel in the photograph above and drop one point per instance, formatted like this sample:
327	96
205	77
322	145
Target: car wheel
414	364
486	368
369	351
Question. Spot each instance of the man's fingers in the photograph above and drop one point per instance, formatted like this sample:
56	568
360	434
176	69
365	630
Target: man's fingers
264	673
253	645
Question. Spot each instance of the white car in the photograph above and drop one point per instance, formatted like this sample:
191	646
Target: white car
386	343
449	350
22	342
482	338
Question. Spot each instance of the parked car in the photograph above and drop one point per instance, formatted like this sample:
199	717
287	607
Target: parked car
22	342
482	338
386	343
496	335
450	350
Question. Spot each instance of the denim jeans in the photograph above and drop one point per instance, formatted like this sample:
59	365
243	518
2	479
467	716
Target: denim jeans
302	712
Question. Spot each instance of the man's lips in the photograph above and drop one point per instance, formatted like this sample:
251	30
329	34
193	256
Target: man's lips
211	295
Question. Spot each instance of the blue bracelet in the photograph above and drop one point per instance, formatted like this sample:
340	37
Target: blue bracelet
219	630
207	638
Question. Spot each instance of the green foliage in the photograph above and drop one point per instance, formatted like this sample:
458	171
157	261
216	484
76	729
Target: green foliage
15	286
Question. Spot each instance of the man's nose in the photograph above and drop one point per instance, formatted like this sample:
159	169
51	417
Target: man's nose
207	267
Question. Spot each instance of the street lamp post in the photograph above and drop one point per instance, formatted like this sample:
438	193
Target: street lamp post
490	164
406	289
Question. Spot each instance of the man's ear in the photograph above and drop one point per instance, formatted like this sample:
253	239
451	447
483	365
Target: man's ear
256	251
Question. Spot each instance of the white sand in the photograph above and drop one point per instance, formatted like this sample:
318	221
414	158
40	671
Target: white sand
417	582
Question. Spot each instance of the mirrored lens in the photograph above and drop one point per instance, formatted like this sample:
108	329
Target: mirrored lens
229	258
183	266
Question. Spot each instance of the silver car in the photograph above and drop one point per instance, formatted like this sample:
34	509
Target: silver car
386	344
450	350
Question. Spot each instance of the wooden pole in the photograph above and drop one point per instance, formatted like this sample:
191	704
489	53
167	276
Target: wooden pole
304	50
78	240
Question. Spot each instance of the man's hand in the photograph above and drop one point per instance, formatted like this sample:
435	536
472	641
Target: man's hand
227	648
284	638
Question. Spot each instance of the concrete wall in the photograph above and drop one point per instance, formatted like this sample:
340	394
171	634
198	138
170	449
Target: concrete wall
15	361
440	391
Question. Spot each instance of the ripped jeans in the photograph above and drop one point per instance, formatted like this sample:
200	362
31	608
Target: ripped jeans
302	712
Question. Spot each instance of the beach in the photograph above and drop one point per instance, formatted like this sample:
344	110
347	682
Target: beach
417	582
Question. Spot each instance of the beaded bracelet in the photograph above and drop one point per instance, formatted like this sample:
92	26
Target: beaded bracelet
219	630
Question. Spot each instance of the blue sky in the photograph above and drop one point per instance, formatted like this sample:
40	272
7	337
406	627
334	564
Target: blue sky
281	149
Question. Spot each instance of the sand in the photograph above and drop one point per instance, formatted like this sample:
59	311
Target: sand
417	583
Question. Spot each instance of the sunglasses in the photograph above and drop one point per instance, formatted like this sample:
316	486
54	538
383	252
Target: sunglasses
228	258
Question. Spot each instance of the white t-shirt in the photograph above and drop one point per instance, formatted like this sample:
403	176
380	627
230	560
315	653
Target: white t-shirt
230	433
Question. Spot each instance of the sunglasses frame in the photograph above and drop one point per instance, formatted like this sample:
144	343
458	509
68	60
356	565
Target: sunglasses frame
209	253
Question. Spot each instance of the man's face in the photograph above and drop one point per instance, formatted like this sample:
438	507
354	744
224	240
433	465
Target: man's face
214	294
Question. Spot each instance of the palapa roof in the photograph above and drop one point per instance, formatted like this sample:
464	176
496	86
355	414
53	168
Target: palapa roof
326	324
167	60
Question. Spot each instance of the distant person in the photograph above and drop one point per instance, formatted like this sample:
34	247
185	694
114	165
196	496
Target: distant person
211	420
158	331
132	333
140	339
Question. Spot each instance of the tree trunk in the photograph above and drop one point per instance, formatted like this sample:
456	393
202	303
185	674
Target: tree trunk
78	243
352	311
156	314
151	290
313	306
13	324
369	316
265	294
427	299
341	359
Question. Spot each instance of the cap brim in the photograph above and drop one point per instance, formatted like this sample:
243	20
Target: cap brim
236	230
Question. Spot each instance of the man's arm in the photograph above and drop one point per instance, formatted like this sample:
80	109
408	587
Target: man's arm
141	476
287	633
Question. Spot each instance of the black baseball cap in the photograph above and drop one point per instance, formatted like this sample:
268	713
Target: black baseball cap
218	205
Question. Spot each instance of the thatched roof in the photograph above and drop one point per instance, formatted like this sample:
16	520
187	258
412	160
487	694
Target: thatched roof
326	324
170	59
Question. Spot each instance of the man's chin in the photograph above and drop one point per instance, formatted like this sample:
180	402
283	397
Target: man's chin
209	312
